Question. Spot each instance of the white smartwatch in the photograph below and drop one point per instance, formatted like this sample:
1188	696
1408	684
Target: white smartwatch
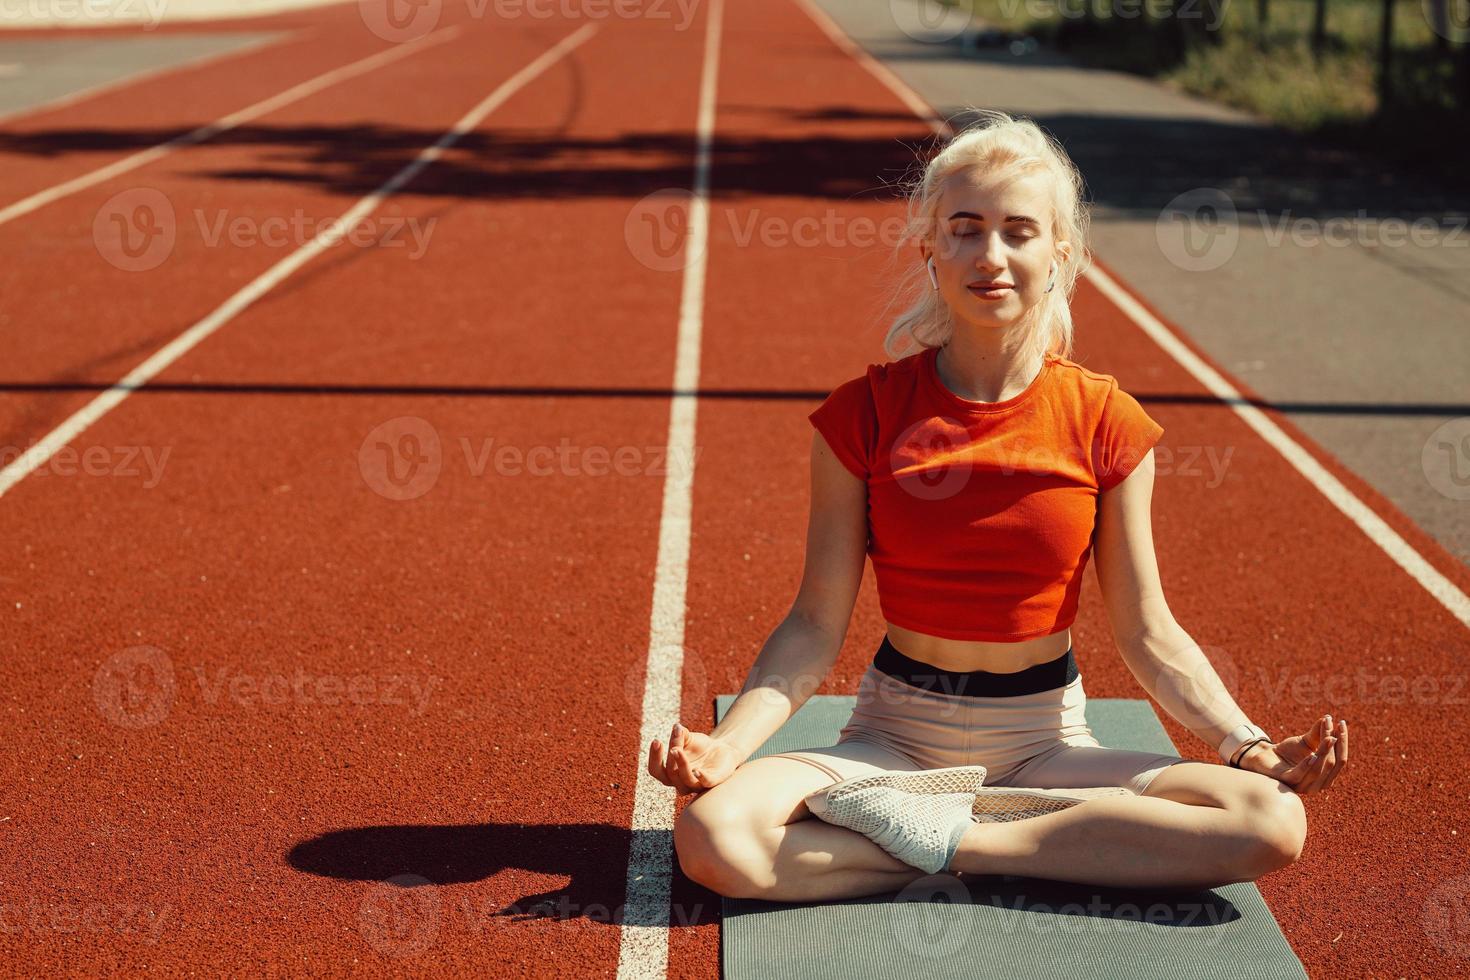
1239	741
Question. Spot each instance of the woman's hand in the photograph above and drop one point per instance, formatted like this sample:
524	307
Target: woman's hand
1307	763
694	761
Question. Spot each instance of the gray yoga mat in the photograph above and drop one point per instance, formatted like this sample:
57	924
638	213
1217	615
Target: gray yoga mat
1003	925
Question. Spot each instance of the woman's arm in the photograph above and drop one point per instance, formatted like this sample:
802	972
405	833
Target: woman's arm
801	651
791	665
1171	666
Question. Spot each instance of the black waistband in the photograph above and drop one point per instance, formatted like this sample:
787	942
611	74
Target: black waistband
976	683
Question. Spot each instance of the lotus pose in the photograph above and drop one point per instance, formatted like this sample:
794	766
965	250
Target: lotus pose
978	471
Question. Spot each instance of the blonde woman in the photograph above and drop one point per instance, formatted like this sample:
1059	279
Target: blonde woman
978	472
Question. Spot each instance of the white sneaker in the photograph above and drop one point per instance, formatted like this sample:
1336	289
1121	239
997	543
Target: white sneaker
922	830
954	779
998	804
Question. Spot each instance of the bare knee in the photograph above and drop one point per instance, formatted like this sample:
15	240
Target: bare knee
718	849
1276	823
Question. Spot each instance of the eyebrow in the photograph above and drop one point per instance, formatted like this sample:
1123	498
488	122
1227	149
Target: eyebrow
1014	217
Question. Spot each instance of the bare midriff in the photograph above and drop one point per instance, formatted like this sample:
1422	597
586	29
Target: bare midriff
966	655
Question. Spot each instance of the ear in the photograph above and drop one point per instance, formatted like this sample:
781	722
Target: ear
924	253
1064	250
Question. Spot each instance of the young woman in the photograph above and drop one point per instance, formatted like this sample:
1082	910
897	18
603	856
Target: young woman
978	473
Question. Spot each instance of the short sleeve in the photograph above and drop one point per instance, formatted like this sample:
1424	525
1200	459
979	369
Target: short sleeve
848	421
1124	436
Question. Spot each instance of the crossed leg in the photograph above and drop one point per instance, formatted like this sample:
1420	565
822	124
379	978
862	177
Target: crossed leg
752	836
1195	825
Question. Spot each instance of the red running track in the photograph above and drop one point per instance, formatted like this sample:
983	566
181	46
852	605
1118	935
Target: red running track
484	640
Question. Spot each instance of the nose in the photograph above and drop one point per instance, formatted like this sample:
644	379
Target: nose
987	255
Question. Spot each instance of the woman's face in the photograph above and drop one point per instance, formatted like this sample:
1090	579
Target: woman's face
987	234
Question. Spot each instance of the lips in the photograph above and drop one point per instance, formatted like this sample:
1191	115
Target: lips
985	291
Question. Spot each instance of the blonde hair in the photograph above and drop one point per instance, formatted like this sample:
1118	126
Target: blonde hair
1006	147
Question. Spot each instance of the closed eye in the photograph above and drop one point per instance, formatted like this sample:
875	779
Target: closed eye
1015	236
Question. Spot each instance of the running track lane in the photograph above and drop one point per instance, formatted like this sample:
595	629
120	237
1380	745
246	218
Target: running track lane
49	144
88	313
263	831
1288	598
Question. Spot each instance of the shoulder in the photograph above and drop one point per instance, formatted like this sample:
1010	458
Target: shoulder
883	383
1090	387
1099	399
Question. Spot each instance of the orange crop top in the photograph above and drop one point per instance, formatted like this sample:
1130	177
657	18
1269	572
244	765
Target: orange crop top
981	514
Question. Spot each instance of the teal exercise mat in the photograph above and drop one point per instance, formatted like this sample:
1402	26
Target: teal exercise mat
1004	926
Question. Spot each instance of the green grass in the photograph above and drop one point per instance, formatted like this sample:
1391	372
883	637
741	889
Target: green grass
1333	98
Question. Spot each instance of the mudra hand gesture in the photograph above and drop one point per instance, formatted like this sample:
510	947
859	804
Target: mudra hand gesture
1307	763
691	762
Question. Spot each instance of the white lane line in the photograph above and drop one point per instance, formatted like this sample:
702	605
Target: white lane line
1330	486
91	91
1420	570
37	455
876	68
222	125
643	952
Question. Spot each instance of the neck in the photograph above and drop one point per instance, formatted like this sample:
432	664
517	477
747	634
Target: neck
984	365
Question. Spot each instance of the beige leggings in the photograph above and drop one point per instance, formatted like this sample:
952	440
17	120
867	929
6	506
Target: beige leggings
1039	740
